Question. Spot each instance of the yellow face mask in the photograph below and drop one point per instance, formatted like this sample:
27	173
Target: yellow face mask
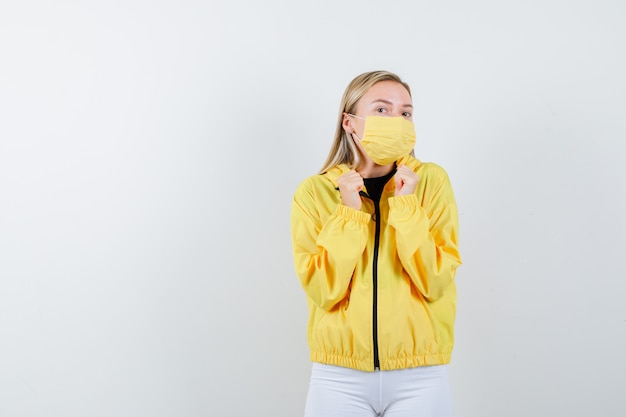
387	139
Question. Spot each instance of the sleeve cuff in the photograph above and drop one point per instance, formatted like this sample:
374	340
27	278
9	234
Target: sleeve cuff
403	201
349	213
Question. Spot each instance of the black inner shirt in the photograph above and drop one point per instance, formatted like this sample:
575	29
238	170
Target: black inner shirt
376	185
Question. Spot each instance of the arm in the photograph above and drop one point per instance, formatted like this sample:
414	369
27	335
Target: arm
325	255
426	238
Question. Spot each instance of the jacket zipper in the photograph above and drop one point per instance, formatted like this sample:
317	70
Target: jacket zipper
375	284
375	280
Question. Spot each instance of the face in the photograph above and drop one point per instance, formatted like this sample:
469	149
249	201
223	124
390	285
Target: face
385	98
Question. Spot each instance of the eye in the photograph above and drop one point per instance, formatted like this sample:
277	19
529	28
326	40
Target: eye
381	110
407	114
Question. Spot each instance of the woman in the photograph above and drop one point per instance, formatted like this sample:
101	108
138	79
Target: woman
375	248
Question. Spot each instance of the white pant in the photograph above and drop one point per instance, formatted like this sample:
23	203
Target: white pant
343	392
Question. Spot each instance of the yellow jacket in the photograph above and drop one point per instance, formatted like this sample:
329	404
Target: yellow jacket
384	299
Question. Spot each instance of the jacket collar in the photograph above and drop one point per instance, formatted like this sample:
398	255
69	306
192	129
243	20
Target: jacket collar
338	170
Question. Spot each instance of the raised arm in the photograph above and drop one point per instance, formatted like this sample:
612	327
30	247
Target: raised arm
325	251
427	234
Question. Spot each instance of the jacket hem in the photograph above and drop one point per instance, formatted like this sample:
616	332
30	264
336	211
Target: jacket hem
386	364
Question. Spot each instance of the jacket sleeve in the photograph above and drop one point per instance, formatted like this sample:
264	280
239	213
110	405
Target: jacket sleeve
325	252
427	237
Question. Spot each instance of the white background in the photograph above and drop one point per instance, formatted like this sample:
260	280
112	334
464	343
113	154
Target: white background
149	151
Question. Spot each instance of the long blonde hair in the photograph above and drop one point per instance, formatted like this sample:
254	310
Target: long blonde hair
343	149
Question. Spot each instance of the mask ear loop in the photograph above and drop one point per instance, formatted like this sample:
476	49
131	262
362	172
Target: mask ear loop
356	117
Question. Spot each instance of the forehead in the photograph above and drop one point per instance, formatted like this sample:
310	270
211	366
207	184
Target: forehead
391	91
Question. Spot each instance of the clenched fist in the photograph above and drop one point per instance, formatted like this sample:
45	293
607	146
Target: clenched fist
350	184
406	180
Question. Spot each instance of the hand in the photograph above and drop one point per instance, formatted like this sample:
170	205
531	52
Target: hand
350	184
406	180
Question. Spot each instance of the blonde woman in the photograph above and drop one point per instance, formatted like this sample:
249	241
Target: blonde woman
375	249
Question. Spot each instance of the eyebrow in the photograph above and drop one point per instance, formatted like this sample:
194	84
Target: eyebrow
380	100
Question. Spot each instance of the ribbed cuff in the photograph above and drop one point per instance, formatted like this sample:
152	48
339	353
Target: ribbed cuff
349	213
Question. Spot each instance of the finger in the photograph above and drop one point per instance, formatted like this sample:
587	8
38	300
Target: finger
403	170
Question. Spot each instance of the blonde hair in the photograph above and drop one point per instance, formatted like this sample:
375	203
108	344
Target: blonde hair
343	149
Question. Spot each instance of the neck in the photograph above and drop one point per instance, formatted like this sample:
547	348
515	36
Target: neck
368	169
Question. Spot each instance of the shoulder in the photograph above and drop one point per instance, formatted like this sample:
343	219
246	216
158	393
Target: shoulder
309	183
311	186
432	170
321	181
